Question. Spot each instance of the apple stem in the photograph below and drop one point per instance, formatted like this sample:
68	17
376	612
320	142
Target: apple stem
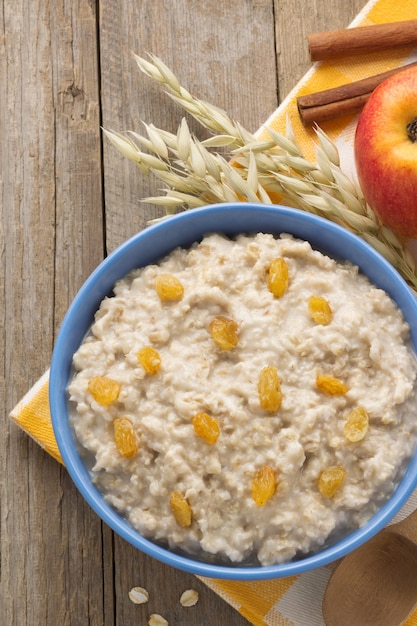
412	130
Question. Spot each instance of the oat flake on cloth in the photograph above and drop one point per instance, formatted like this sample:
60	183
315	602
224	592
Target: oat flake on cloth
294	601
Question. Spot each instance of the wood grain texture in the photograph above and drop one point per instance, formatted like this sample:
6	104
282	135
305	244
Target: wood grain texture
295	20
215	52
67	199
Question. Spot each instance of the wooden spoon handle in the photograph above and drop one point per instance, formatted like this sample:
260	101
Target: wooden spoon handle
407	527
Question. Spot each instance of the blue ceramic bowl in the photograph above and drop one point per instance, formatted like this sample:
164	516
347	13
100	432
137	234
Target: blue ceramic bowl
147	247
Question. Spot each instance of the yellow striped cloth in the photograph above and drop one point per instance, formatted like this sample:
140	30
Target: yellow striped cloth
294	601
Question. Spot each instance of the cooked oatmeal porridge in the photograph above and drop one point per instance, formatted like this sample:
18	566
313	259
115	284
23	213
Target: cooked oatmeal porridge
248	398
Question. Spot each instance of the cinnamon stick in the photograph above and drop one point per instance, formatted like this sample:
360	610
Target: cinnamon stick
347	99
362	39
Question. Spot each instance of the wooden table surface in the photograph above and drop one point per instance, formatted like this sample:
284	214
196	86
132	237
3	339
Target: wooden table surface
67	199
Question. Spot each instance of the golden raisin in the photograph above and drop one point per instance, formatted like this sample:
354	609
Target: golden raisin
206	427
278	277
269	389
104	390
150	360
330	480
224	331
263	485
320	310
125	437
330	385
357	425
168	287
181	509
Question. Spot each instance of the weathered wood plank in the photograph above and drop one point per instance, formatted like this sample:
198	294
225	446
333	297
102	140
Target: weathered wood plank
52	239
27	207
216	51
79	247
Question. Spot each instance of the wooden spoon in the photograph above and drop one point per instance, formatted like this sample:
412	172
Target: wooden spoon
376	585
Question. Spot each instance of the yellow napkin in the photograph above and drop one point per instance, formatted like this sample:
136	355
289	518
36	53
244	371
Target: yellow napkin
294	601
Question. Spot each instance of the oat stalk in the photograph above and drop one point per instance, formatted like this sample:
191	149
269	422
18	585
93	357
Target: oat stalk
250	169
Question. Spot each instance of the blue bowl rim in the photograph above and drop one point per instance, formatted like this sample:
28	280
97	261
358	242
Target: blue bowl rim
304	226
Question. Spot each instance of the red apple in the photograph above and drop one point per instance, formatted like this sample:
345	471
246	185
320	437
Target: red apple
386	152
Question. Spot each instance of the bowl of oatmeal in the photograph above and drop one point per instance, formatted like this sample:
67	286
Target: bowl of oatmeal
233	391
